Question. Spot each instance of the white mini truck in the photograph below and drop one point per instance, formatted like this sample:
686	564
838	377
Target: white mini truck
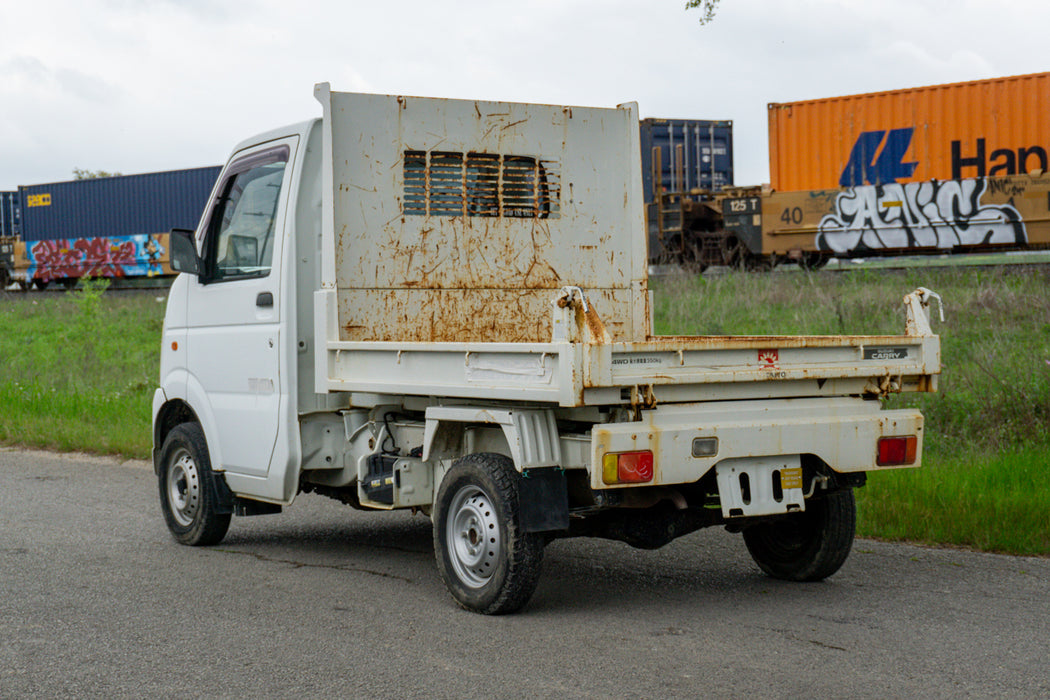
443	305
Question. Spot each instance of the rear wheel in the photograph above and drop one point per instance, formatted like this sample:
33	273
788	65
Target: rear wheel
186	492
487	562
807	546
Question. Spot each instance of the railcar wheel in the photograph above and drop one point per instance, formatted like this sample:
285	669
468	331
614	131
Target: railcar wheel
486	561
813	261
186	496
807	546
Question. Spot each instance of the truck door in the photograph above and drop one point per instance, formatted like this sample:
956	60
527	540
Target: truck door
234	308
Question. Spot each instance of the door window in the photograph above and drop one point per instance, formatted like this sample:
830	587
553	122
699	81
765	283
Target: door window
240	234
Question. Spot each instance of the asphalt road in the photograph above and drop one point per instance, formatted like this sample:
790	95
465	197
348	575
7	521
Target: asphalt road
96	600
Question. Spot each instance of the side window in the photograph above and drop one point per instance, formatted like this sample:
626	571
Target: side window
240	232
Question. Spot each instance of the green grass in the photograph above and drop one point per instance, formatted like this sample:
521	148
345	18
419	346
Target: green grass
995	502
79	370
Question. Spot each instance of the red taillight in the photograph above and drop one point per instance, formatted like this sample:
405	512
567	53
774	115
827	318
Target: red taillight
627	467
896	451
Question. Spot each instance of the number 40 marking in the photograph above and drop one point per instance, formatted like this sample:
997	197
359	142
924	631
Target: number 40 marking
792	216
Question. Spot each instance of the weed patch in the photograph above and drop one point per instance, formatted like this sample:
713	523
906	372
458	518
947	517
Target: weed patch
79	369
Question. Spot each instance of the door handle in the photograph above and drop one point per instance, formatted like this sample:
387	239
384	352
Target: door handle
264	299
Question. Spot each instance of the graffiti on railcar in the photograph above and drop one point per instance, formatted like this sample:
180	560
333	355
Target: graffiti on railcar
107	256
930	214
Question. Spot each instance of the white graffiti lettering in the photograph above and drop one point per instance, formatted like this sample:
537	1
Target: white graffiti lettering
918	215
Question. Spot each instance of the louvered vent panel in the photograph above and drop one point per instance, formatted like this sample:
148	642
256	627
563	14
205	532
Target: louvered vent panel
442	183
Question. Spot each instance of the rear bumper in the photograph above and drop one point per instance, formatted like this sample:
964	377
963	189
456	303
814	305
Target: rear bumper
843	432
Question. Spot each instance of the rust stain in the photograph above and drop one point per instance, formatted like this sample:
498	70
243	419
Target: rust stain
457	254
460	315
596	329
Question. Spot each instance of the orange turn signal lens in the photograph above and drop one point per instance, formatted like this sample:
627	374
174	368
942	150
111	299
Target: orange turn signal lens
897	451
627	467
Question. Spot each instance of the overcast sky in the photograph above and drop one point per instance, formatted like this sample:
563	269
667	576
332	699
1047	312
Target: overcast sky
144	85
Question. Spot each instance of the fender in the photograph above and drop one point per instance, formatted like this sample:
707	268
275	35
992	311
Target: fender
180	385
532	434
535	447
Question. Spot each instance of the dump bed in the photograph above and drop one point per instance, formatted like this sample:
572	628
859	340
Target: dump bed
496	250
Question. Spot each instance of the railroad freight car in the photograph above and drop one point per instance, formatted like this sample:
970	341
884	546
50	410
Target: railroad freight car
106	227
936	216
685	164
946	168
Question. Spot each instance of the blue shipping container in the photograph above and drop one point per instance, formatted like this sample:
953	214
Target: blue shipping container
694	154
125	205
8	214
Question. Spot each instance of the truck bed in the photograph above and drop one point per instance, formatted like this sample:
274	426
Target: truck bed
672	369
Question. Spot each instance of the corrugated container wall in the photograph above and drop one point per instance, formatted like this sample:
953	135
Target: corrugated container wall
694	154
8	213
945	132
116	206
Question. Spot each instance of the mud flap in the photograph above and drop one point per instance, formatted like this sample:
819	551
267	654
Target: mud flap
223	497
543	499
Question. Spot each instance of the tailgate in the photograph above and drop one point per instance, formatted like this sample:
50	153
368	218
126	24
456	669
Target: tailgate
906	362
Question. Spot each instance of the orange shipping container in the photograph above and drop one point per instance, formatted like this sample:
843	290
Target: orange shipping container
991	127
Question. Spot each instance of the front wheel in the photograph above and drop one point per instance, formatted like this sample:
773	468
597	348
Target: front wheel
487	562
807	546
187	496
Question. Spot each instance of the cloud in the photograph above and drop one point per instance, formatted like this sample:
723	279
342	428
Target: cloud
136	85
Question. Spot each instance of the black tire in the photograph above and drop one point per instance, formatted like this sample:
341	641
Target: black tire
807	546
487	562
187	495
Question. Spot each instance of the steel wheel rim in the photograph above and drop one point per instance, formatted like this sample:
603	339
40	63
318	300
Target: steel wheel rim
184	488
473	536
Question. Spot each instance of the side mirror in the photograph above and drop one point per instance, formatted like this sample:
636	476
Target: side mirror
184	256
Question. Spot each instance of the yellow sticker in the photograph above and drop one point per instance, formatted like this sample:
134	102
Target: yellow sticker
38	200
791	478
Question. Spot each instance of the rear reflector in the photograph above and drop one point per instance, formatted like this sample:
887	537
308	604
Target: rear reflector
897	451
627	467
